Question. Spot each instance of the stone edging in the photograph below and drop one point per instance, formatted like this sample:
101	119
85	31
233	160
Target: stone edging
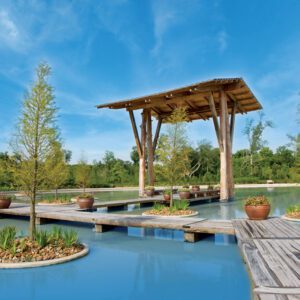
54	204
44	263
284	217
183	216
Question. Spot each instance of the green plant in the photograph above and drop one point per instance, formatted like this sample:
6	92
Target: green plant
7	237
85	196
167	192
293	209
257	200
184	189
181	204
149	187
210	187
70	238
4	196
56	234
157	206
42	238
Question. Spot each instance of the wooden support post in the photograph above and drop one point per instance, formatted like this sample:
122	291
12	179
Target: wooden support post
155	141
226	189
99	228
150	148
212	106
232	122
135	132
142	165
42	221
193	237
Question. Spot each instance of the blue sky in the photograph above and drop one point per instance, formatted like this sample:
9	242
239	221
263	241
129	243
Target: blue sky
116	49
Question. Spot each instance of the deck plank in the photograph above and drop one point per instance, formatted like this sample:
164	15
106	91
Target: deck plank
271	249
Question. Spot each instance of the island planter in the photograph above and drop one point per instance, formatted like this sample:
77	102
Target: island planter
149	190
5	201
257	208
184	194
85	201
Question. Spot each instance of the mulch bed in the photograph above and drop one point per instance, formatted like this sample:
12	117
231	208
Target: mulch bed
293	215
29	251
166	212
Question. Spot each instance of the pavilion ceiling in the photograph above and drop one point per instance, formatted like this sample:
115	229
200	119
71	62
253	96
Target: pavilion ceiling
195	98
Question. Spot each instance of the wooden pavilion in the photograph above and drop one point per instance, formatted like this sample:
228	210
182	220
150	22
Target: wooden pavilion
220	99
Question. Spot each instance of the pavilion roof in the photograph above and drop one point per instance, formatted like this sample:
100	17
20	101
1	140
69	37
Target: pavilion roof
195	97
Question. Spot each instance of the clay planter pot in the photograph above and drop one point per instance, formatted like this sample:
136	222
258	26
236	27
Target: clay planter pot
85	203
258	212
167	197
196	188
149	193
184	195
5	203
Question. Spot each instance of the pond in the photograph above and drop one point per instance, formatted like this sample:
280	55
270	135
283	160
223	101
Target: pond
134	264
280	199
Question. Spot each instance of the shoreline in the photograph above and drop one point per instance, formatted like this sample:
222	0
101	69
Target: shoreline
133	189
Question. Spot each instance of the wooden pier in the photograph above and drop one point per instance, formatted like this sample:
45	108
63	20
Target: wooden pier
193	228
271	249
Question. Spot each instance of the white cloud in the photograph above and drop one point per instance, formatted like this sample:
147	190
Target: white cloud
9	32
222	39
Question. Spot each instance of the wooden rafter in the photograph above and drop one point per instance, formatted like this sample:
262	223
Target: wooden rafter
239	105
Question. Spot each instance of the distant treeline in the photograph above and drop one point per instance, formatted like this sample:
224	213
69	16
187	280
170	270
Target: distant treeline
279	166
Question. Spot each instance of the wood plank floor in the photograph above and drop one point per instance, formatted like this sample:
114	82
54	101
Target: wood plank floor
71	213
271	249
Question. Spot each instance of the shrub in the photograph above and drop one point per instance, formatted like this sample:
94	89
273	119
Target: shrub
184	189
167	192
149	187
56	234
181	204
85	196
4	196
293	209
257	200
158	206
42	237
7	237
70	238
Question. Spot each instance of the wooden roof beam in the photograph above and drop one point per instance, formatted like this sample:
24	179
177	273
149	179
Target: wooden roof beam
234	99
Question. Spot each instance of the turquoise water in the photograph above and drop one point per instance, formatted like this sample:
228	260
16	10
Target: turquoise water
134	264
280	199
146	264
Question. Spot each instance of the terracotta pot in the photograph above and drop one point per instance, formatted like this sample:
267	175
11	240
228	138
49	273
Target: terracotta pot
184	195
196	189
167	197
5	203
258	212
149	193
85	203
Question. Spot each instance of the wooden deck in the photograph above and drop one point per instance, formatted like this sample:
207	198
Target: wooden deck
193	227
271	249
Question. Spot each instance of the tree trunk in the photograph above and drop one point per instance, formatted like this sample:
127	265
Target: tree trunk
171	196
32	225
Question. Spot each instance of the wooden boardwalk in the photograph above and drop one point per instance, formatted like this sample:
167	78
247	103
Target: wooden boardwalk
271	249
193	227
